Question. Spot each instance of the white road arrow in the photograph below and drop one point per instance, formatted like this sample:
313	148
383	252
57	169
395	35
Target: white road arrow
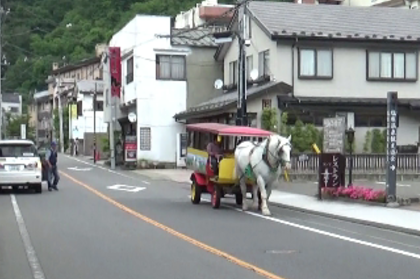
127	188
392	167
79	169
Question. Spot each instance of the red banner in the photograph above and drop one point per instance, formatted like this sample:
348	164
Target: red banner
115	67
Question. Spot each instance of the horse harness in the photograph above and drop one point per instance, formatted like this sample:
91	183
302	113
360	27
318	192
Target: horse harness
264	158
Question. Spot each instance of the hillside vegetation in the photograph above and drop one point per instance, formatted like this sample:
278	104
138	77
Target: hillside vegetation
39	32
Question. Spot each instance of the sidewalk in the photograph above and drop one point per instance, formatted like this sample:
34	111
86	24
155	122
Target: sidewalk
396	219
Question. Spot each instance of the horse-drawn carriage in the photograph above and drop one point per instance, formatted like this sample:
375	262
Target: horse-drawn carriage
224	178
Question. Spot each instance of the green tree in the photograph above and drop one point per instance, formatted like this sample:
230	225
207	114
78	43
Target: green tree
269	120
13	127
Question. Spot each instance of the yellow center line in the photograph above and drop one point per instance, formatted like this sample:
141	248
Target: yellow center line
173	232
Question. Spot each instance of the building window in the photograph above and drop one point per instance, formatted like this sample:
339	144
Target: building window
171	67
397	66
316	63
266	104
79	108
145	139
248	29
14	109
249	66
99	106
373	121
264	63
233	69
130	71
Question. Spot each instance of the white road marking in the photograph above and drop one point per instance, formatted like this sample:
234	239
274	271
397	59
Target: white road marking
79	169
29	249
325	233
126	188
105	169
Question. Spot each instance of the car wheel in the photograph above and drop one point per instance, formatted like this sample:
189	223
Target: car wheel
38	188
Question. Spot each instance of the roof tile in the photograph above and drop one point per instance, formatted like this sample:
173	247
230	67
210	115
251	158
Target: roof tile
336	21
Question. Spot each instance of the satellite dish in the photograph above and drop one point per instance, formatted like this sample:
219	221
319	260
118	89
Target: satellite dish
254	74
132	117
218	84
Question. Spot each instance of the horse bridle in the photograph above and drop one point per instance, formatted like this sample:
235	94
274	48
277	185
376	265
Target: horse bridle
279	160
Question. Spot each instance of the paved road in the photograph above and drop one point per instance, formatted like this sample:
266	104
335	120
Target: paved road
89	231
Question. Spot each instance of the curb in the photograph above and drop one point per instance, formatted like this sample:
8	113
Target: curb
349	219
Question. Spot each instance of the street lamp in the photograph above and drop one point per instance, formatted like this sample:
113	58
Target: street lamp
350	139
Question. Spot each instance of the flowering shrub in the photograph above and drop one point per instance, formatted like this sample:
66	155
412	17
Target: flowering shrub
356	192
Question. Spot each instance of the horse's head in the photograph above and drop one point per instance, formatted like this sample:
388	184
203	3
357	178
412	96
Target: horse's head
280	148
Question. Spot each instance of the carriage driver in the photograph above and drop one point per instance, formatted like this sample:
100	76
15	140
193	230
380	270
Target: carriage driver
215	152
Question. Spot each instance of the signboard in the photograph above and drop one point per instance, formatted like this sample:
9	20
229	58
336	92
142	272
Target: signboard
115	68
130	149
23	131
332	170
334	135
73	111
392	118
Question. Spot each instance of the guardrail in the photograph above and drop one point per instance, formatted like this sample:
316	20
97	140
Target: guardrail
307	163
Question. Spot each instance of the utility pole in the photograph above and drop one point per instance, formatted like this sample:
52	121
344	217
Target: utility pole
110	104
94	121
1	66
60	112
242	117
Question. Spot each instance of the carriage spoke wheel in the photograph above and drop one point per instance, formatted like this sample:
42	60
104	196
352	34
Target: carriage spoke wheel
216	196
195	193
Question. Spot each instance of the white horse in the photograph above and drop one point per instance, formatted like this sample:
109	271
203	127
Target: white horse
261	164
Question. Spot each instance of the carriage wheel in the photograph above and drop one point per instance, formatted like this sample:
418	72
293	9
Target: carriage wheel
238	198
195	193
216	196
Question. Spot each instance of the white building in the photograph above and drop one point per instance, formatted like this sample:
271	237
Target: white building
154	86
203	13
82	119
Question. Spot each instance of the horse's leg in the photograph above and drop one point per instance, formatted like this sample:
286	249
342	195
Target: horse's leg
264	206
242	184
255	196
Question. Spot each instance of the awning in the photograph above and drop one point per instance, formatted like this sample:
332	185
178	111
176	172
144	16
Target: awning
228	100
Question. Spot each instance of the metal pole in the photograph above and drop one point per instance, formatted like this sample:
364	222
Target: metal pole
244	86
1	65
60	115
239	116
111	107
94	122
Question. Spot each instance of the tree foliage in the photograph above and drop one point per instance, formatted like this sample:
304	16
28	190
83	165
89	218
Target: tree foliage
39	32
13	126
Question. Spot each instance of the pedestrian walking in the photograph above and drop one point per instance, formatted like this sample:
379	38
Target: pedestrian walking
51	157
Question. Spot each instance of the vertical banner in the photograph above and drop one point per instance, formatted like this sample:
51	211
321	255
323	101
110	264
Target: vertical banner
73	111
115	68
391	173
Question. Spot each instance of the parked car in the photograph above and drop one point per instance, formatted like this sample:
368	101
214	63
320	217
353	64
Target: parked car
20	165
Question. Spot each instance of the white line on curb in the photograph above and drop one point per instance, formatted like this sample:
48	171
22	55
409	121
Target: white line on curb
29	249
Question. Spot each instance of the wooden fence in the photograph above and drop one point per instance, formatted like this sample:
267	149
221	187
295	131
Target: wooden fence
362	163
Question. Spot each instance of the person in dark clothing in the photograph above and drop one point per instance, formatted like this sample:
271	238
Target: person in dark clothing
51	159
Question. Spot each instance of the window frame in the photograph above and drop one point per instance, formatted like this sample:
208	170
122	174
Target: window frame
315	76
264	69
233	72
129	66
157	67
392	52
145	143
